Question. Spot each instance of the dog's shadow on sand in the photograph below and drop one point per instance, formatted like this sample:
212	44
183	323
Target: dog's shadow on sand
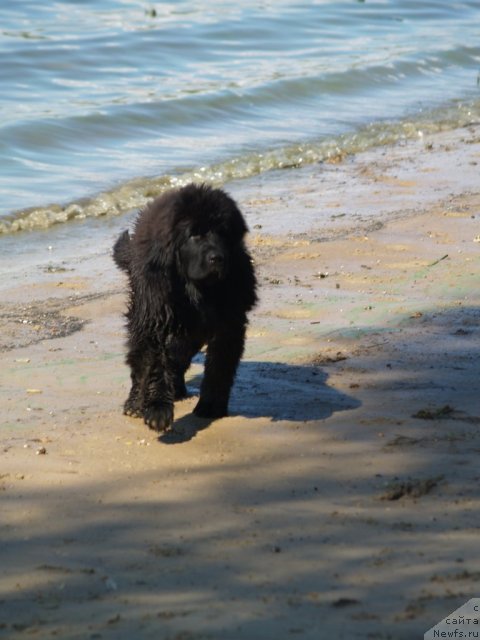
276	391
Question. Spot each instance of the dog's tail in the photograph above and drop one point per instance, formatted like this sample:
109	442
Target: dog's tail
122	252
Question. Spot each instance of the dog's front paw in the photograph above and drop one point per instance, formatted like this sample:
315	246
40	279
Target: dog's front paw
158	416
211	409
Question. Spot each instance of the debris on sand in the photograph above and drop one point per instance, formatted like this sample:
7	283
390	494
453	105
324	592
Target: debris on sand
410	488
324	358
433	414
403	441
345	602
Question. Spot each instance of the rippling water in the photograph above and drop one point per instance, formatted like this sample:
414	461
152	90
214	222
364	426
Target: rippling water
105	104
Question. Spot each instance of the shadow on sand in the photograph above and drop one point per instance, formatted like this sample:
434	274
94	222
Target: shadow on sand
273	390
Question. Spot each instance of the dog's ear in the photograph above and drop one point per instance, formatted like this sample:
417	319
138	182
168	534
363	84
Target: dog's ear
161	256
154	236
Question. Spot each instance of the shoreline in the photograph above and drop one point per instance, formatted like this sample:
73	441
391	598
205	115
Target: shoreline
336	197
339	498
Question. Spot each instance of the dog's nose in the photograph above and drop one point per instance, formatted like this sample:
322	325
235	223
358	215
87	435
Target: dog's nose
215	258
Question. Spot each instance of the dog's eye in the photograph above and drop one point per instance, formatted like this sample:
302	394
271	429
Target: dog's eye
195	237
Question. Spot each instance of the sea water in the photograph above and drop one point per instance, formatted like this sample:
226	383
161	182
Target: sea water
104	104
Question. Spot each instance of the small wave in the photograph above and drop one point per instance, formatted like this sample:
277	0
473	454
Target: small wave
137	193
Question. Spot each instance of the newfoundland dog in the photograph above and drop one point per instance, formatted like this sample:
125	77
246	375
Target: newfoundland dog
191	283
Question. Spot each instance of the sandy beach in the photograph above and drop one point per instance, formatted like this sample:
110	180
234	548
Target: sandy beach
338	500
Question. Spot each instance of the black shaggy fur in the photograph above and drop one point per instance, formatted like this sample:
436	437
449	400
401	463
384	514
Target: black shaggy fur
191	284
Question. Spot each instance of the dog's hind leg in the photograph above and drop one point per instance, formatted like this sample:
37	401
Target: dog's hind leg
133	404
180	354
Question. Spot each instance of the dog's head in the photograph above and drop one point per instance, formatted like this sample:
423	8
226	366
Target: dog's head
190	240
208	231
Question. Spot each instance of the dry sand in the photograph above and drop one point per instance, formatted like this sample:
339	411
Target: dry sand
339	500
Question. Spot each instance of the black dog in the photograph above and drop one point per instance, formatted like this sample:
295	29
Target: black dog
191	284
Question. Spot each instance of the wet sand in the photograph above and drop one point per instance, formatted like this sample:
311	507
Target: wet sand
340	499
